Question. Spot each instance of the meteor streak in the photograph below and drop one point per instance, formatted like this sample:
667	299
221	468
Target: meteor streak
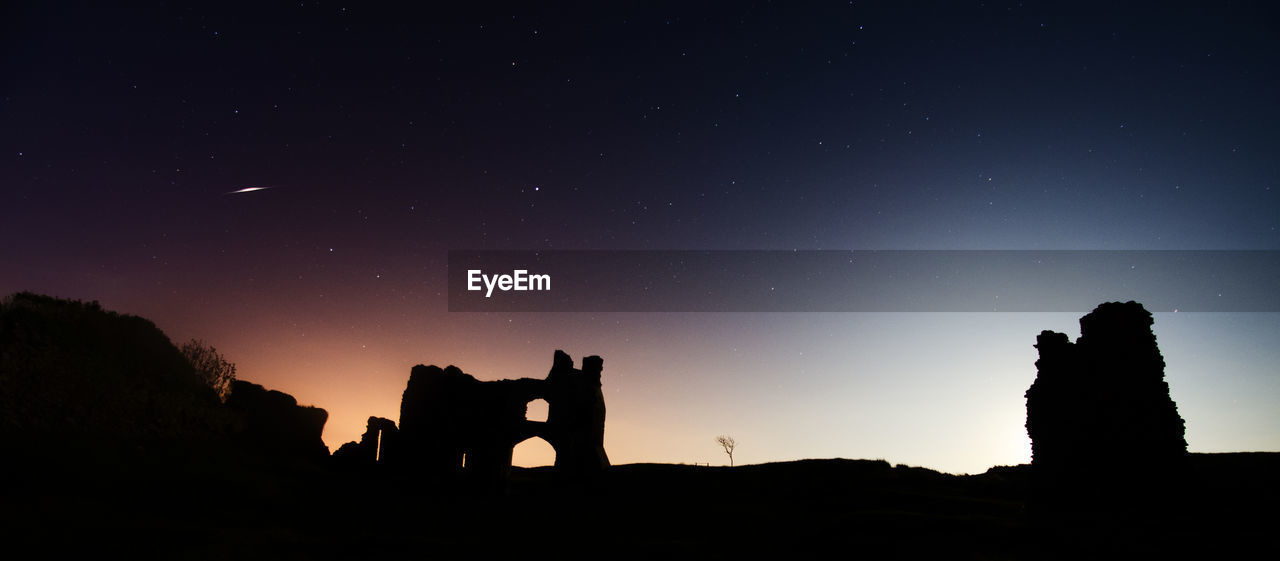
246	190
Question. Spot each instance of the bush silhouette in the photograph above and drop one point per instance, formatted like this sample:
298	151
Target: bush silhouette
210	366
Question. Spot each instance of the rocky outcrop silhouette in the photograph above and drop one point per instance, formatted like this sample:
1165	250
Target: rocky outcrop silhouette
1100	407
452	423
275	423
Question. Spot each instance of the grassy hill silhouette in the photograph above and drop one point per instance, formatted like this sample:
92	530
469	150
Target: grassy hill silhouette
72	370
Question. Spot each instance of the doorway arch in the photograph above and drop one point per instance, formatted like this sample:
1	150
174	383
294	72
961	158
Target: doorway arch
533	452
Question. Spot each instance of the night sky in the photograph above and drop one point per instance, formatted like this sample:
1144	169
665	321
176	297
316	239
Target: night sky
386	137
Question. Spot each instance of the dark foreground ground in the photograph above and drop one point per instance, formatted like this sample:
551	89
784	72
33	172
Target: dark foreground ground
179	505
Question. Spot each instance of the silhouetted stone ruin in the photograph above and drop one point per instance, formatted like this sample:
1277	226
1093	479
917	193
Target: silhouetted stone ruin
274	422
1099	409
375	446
452	423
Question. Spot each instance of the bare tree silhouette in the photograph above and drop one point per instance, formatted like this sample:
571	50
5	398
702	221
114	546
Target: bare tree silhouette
729	444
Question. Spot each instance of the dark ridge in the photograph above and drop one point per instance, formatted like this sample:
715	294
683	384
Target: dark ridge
113	446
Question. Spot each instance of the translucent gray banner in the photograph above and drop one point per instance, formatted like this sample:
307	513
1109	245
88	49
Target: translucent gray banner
860	281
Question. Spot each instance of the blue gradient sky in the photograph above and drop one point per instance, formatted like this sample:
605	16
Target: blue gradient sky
389	137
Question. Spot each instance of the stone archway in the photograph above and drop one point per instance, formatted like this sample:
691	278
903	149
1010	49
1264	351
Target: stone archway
534	451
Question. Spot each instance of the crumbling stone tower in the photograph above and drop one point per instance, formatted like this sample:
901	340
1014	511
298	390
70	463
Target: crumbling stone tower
1099	410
